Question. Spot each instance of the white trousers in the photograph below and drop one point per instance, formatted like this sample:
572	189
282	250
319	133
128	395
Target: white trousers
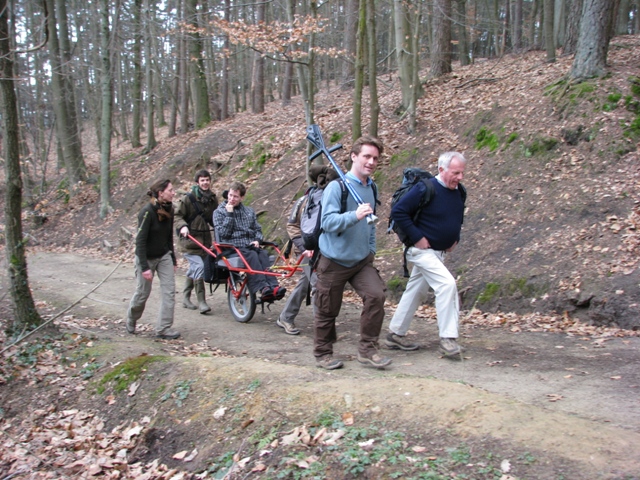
428	271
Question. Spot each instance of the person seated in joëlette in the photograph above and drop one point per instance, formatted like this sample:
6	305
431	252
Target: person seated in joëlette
237	224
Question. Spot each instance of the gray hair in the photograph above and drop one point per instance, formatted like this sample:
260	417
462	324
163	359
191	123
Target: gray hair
444	160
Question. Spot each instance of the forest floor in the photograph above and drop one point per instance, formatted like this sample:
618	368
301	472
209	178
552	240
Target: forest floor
247	401
539	394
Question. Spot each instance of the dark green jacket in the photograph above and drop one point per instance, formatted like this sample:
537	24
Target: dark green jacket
199	225
154	238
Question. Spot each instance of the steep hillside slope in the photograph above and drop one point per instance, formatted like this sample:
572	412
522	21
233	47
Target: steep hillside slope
553	178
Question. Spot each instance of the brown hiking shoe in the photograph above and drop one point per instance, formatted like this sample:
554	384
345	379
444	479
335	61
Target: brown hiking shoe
374	359
396	342
328	362
449	347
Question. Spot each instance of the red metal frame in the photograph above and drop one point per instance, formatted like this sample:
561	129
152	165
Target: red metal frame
220	247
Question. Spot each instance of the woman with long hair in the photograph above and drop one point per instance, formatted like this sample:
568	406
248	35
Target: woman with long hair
155	255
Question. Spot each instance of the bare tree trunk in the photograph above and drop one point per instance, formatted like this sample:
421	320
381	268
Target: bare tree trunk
573	27
287	83
257	80
148	67
506	31
69	92
184	87
26	314
441	45
105	118
305	76
64	109
199	90
559	22
136	95
356	115
622	21
549	41
350	30
374	105
518	21
591	53
224	93
463	39
122	104
415	70
533	39
402	24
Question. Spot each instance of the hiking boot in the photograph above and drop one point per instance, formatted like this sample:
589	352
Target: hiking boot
397	342
131	326
186	294
200	294
328	362
449	347
374	359
168	334
289	327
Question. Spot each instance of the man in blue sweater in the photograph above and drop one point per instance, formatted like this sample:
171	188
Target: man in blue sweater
347	250
434	232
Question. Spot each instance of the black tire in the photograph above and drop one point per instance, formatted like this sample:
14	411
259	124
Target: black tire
244	307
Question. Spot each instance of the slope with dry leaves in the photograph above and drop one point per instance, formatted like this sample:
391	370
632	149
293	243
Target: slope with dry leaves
551	225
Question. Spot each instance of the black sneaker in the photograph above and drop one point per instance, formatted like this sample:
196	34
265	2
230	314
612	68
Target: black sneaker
396	342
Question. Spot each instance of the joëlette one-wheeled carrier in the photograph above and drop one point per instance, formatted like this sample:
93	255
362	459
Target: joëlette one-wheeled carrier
225	264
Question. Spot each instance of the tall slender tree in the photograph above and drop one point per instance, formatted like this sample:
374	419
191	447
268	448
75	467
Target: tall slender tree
372	44
441	44
66	127
107	110
26	314
257	79
136	95
199	89
149	6
549	38
356	114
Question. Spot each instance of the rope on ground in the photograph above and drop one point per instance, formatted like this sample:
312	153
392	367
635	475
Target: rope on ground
21	339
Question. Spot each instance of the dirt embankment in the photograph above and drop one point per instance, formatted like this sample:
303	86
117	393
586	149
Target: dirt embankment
550	404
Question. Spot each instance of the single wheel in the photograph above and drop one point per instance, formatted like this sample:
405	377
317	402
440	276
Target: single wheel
244	307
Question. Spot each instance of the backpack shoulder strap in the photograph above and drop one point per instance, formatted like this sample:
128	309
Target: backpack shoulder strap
343	197
345	194
197	208
296	211
376	202
428	193
463	193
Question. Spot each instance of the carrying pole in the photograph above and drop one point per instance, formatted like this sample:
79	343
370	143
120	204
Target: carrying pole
315	138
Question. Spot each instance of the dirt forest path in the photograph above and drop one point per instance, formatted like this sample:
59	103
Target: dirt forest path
577	397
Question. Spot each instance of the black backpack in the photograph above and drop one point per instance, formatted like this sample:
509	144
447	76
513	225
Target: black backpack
410	177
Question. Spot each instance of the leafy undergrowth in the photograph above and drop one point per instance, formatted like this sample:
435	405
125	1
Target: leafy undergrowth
71	416
55	434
